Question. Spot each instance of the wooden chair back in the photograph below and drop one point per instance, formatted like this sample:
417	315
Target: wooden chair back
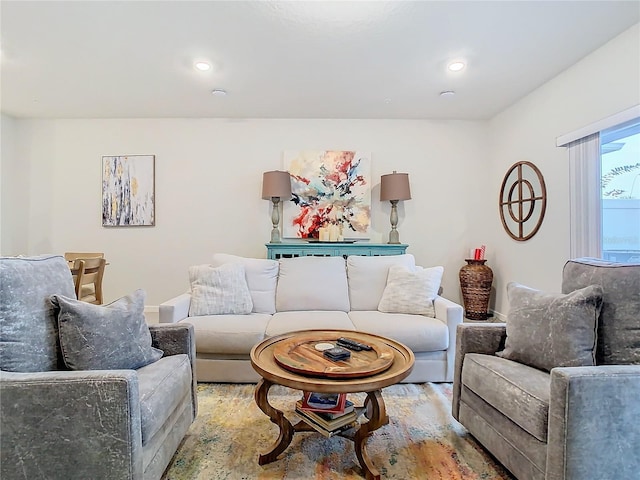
77	271
90	272
70	256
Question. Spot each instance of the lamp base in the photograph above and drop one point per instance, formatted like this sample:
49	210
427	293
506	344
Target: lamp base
394	237
275	220
275	235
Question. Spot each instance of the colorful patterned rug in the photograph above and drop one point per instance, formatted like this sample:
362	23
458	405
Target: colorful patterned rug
422	440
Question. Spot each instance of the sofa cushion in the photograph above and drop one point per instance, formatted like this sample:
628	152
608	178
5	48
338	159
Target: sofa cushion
517	391
411	290
368	278
419	333
312	283
546	330
285	322
162	386
219	290
262	278
228	334
28	320
618	330
105	337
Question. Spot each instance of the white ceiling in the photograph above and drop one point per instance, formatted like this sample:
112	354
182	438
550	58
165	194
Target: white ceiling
320	59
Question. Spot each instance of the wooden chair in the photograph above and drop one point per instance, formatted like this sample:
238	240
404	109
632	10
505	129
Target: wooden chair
70	256
88	274
77	271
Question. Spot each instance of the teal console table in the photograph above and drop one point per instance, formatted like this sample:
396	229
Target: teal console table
276	251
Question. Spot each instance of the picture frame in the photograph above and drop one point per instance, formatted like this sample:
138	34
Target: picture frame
128	190
331	190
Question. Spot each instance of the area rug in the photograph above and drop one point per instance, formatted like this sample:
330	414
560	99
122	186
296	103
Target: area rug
421	441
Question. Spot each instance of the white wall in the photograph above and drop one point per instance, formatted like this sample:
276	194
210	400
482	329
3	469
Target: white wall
208	186
14	183
602	84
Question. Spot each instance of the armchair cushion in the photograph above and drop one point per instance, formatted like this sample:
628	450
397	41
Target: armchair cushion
547	330
411	290
28	327
518	391
618	330
163	386
105	337
219	290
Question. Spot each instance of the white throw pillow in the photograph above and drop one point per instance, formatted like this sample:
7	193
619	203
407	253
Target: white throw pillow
411	290
262	278
312	283
219	290
368	277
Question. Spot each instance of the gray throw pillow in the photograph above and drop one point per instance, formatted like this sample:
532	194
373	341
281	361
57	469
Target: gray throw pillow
28	328
105	337
546	330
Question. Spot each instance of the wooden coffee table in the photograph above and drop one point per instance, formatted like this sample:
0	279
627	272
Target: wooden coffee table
271	360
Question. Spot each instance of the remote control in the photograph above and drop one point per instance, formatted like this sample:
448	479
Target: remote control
353	344
337	353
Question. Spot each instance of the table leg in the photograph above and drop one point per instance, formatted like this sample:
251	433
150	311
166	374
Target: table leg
377	415
277	417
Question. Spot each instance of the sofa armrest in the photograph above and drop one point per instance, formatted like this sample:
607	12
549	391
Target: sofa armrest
176	309
451	314
487	338
174	339
91	419
593	423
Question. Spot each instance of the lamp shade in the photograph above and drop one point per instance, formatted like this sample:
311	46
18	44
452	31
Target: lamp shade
395	186
276	184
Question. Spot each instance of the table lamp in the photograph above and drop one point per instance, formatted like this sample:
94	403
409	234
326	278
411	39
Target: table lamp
394	187
276	185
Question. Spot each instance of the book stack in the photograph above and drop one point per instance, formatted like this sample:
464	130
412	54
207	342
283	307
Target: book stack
328	414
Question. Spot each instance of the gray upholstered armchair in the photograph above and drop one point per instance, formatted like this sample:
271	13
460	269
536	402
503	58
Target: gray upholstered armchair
58	422
568	422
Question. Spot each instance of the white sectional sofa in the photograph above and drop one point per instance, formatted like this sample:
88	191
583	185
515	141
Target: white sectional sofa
319	293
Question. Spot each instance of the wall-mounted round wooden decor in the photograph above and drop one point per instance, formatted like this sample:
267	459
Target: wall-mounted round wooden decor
523	201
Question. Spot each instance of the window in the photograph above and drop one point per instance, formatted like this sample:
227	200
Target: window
604	171
620	192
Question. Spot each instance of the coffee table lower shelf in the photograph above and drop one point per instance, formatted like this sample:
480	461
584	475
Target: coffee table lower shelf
376	415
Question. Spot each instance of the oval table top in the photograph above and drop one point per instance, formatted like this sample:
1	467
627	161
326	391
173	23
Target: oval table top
264	361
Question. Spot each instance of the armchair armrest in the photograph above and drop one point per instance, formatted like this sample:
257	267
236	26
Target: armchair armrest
175	309
174	339
91	419
451	314
487	338
593	423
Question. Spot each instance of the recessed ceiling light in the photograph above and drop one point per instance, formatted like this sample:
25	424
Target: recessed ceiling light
456	66
447	93
218	92
202	66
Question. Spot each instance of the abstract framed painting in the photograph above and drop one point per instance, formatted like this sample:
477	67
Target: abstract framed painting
329	188
128	191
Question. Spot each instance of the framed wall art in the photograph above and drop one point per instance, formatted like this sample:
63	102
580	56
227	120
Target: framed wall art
128	191
329	188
